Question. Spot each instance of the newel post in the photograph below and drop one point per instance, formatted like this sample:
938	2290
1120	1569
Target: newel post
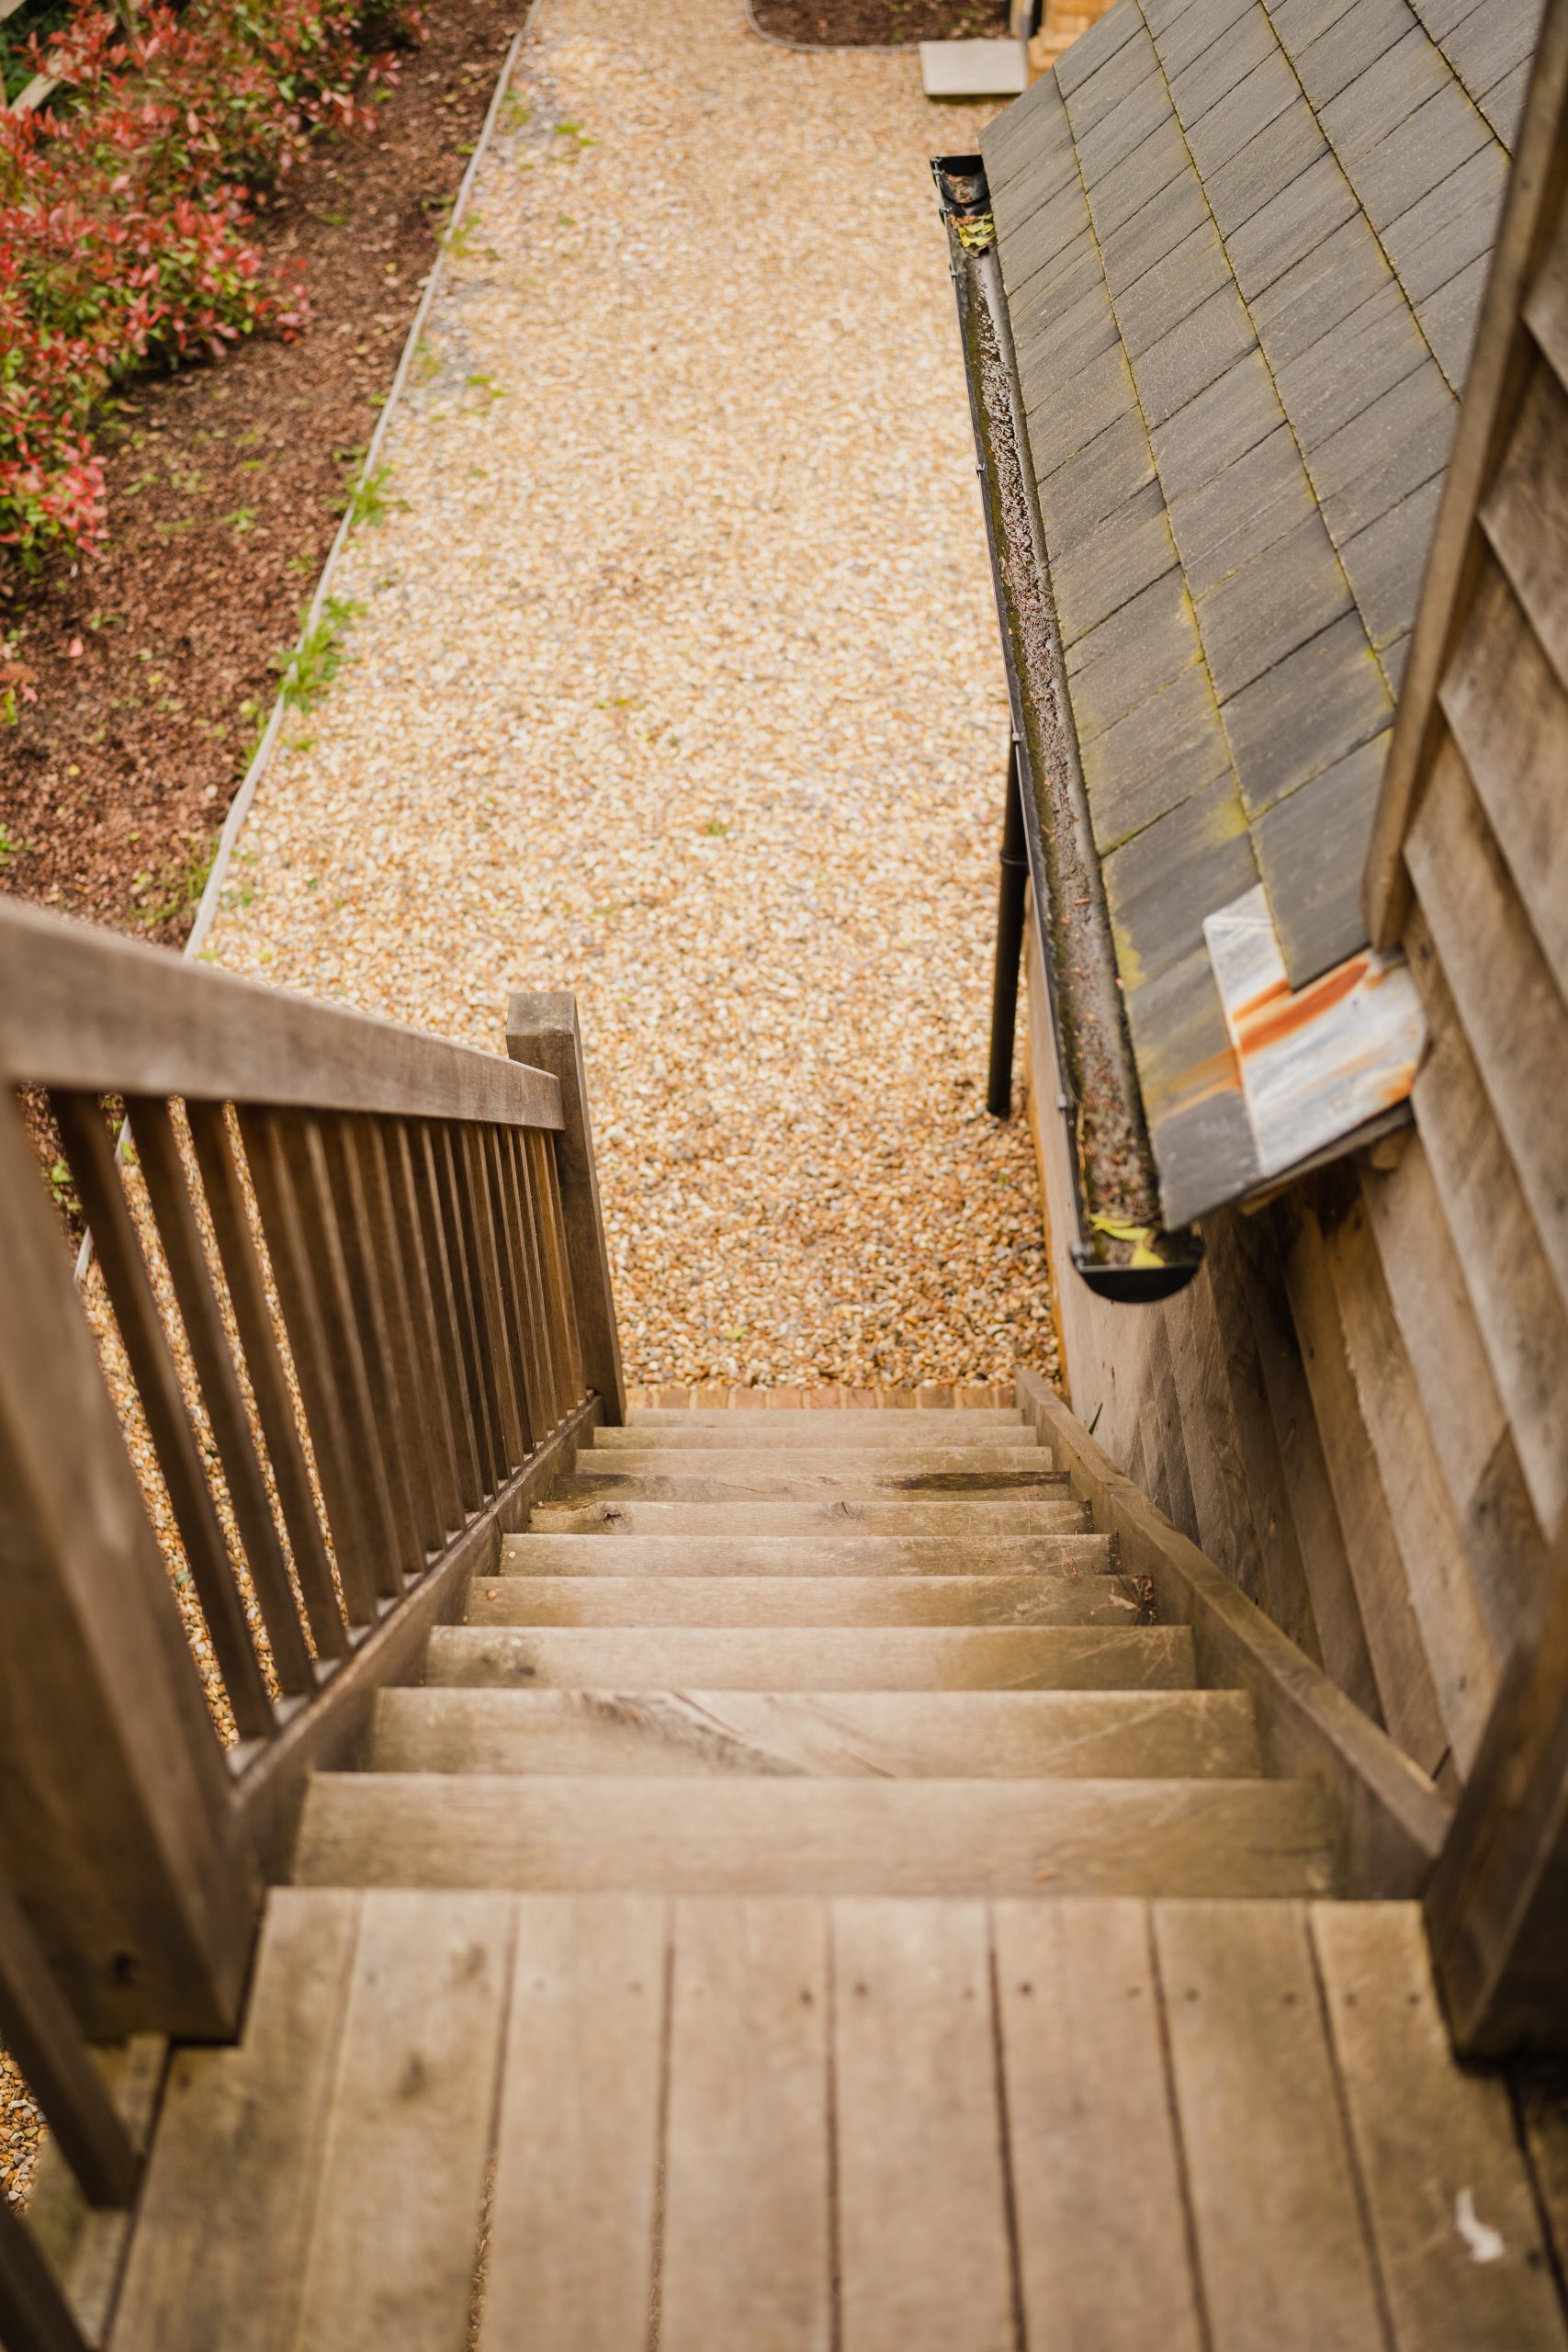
118	1832
542	1030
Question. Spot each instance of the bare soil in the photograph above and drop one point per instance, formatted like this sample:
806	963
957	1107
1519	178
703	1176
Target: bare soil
879	24
154	663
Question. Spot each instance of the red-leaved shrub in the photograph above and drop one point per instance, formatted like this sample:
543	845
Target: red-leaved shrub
126	215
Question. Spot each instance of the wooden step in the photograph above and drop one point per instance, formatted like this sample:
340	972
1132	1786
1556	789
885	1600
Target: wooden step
805	1485
858	1417
1030	1600
845	1514
780	1836
820	1432
936	1464
929	1734
818	1553
893	1658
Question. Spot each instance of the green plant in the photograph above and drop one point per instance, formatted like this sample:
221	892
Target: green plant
368	501
310	670
62	1188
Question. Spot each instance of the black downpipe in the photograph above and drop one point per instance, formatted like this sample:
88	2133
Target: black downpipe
1014	861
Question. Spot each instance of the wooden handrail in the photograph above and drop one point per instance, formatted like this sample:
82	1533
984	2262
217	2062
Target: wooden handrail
86	1011
358	1280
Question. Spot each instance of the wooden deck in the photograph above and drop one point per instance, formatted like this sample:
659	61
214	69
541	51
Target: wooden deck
886	2125
802	1930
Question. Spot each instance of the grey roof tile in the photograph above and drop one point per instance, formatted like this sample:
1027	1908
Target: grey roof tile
1491	42
1204	1146
1245	508
1187	37
1076	498
1219	426
1061	339
1032	129
1264	166
1326	287
1029	244
1131	548
1395	445
1386	563
1332	63
1369	351
1162	158
1094	48
1194	355
1163	297
1451	225
1305	713
1143	243
1131	656
1161	884
1052	291
1155	758
1062	417
1223	63
1125	126
1300	22
1401	81
1158	14
1440	16
1505	103
1447	319
1257	99
1311	849
1392	658
1270	605
1419	155
1292	225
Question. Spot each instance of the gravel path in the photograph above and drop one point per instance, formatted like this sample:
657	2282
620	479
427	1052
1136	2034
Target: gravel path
673	680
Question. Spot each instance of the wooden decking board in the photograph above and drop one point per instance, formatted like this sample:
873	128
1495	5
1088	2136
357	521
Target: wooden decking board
832	1658
1029	1600
748	2255
919	2132
204	2272
1434	2147
1102	2270
827	1553
831	1433
571	2260
1282	2238
934	1735
790	1836
401	2184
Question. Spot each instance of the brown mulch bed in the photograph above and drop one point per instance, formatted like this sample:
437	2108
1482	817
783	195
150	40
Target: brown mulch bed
154	664
877	24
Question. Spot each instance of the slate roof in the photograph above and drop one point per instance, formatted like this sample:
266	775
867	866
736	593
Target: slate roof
1242	244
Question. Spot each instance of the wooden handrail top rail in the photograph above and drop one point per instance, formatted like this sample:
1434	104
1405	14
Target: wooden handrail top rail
86	1011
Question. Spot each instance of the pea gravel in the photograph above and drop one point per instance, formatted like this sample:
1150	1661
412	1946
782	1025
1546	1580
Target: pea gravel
669	675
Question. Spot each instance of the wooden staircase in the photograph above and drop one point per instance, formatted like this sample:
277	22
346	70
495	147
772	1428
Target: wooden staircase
796	1654
809	1903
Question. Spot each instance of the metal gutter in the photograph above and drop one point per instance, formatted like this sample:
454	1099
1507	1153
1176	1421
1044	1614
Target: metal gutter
1120	1248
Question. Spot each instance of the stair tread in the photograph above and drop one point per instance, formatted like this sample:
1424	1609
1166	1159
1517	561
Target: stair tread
808	1482
991	1735
813	1461
518	1598
1044	1838
908	1658
842	1513
819	1433
819	1553
847	1416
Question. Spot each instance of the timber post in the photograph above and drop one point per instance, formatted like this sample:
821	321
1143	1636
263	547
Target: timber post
542	1028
